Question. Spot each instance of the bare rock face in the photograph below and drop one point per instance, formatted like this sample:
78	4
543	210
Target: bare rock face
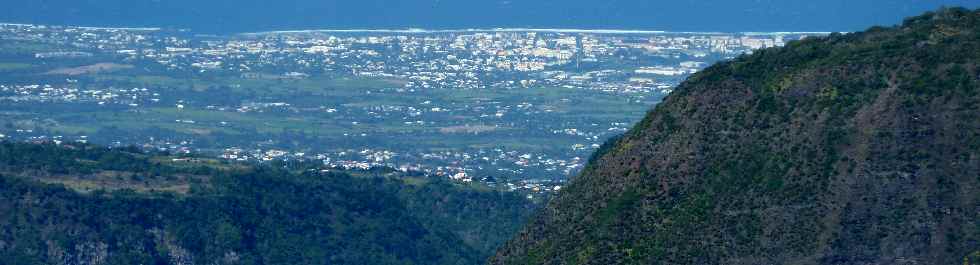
859	148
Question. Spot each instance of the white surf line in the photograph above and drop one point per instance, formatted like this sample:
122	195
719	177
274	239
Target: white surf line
81	27
519	30
473	30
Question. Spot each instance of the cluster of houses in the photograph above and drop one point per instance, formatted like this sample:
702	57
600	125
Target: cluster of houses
69	93
633	66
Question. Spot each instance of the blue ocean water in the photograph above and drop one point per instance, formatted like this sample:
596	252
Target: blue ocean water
235	16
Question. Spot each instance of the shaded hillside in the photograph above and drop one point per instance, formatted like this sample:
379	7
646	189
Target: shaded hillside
83	204
860	148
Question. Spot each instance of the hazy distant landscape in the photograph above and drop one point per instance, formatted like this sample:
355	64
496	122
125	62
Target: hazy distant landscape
503	107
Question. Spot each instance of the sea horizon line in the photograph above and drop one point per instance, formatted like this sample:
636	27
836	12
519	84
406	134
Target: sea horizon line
436	31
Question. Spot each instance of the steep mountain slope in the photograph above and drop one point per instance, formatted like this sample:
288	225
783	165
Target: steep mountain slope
137	208
861	148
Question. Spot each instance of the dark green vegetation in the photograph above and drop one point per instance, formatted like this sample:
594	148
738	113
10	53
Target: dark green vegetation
856	148
82	204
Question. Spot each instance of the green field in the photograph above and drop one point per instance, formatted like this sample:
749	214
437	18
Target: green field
8	67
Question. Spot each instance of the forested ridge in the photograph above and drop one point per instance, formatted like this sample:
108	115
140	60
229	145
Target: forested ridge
859	148
86	204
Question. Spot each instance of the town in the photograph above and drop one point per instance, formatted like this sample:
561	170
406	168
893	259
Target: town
498	106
